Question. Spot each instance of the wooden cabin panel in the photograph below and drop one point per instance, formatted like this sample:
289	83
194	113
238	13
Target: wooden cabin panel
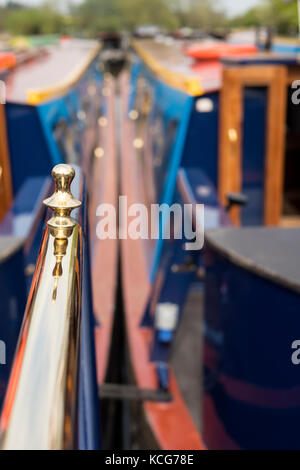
5	175
274	78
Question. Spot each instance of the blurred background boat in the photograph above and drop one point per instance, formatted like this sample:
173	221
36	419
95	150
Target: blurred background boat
215	131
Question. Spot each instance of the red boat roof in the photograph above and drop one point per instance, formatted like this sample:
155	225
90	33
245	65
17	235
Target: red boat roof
219	50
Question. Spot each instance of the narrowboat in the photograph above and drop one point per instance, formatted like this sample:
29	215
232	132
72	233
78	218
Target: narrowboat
284	45
224	133
59	111
265	39
251	378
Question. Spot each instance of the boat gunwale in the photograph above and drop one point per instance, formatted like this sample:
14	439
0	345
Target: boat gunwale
188	84
40	95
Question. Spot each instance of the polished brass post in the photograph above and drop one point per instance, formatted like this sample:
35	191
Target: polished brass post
40	407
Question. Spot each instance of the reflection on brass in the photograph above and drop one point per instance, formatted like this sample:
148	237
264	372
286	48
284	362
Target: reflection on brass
60	249
61	224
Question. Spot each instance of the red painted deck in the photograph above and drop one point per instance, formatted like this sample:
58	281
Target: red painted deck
104	252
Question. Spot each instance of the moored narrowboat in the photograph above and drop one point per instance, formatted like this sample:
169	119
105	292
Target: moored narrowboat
251	380
59	110
222	133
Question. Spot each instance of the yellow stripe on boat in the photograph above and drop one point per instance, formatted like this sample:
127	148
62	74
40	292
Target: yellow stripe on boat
285	40
188	84
37	96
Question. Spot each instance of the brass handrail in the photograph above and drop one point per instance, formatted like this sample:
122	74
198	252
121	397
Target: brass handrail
40	406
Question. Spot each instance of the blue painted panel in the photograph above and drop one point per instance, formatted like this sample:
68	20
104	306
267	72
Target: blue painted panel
250	324
201	146
89	414
286	48
170	114
50	114
29	152
23	222
12	306
88	404
134	74
19	220
169	187
169	100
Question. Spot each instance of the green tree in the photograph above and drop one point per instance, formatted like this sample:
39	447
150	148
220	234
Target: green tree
279	15
101	15
249	19
30	21
199	14
3	13
137	12
97	15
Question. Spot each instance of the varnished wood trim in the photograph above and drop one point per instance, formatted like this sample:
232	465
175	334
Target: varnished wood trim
275	145
231	108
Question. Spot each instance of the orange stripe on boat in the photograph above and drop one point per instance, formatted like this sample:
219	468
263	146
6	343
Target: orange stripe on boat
7	60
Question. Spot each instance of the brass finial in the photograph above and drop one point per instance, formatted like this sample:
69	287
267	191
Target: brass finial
61	225
62	201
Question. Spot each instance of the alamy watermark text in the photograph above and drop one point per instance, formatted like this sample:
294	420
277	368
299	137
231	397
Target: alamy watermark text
159	221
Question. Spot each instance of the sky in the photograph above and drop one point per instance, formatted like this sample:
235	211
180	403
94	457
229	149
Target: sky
232	7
